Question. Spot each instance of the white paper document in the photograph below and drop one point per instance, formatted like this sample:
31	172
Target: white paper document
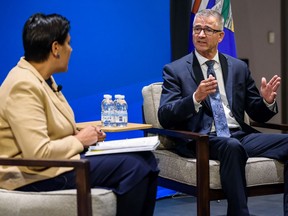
124	145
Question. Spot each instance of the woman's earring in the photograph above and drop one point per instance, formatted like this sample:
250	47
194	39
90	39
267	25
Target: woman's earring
58	55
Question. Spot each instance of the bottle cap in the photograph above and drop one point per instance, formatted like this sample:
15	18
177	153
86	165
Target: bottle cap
107	96
117	96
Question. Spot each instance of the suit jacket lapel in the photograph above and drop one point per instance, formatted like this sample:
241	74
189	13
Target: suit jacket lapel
224	66
60	102
57	98
197	72
228	81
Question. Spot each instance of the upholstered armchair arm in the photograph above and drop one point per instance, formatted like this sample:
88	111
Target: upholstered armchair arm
202	155
82	177
281	127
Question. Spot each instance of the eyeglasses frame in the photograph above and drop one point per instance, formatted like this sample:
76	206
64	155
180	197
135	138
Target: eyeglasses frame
213	31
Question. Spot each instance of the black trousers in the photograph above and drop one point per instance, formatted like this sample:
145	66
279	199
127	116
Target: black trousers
132	176
233	153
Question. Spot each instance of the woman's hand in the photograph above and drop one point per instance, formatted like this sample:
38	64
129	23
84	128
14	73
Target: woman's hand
90	135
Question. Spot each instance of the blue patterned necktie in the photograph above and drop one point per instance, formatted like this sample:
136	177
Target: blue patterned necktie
220	120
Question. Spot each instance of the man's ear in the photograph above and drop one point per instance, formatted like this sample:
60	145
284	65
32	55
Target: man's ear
221	36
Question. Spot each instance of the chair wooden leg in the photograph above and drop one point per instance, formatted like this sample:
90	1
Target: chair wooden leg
83	190
203	199
203	206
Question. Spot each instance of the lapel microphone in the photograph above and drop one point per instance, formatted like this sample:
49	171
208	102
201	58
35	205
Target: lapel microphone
59	88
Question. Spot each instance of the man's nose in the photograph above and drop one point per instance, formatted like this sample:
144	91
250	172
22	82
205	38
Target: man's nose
202	33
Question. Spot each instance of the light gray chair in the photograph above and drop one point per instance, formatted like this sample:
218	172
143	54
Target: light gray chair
200	176
82	201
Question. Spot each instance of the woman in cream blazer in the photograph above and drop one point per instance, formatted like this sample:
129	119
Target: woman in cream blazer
36	121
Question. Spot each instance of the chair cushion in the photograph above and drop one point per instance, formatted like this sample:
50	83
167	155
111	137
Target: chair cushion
54	203
183	170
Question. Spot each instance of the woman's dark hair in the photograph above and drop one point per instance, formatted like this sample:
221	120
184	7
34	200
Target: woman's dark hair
39	33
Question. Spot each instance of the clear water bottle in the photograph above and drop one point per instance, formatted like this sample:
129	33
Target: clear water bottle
107	111
116	113
121	111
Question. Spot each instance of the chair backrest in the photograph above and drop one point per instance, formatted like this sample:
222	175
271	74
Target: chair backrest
151	100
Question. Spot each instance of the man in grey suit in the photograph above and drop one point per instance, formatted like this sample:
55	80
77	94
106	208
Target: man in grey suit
185	105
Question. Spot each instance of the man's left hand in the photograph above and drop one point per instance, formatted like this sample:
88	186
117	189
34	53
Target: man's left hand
268	90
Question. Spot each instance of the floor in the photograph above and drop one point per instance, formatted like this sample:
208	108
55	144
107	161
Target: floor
182	205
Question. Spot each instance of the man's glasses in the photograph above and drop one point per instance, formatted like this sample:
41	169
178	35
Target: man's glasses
207	30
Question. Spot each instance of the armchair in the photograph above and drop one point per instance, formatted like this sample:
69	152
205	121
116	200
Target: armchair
199	176
101	201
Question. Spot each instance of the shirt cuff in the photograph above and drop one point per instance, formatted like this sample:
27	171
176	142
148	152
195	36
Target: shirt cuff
197	105
272	106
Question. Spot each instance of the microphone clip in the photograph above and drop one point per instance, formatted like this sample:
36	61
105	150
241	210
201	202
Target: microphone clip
59	88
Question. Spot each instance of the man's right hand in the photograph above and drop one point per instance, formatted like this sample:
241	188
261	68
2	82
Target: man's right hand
205	88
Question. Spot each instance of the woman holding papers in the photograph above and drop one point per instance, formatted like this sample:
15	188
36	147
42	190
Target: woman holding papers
37	122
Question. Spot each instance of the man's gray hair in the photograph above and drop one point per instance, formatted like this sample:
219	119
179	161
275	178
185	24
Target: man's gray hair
210	12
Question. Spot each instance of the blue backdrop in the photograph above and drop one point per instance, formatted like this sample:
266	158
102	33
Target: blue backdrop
118	47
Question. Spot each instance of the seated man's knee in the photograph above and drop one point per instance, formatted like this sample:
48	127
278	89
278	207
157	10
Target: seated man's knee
234	147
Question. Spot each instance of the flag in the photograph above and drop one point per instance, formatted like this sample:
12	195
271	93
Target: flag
228	45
